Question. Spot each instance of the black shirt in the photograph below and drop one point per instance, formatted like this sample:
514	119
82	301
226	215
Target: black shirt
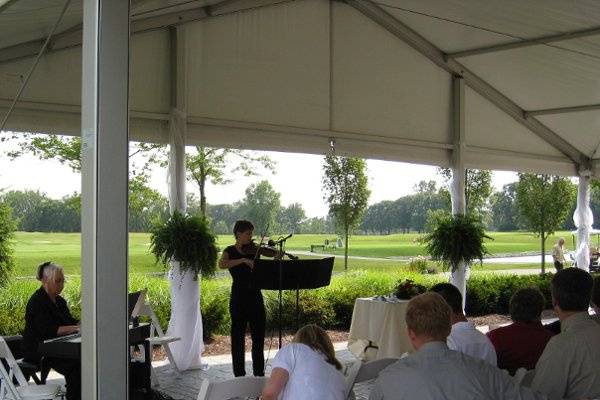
241	274
42	319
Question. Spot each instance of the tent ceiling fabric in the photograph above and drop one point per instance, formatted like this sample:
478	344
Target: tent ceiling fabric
288	75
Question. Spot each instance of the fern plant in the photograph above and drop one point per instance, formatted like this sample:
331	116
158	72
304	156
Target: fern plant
188	240
456	239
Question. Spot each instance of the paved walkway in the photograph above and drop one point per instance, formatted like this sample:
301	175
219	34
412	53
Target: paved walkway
186	385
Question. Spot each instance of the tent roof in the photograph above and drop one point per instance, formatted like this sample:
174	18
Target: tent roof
374	75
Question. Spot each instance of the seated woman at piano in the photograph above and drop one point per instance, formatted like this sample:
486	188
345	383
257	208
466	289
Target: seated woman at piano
47	316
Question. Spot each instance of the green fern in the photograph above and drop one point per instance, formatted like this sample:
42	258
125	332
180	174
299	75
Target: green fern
456	239
187	239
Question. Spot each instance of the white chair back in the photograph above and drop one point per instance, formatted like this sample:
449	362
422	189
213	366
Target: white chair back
244	386
13	367
361	372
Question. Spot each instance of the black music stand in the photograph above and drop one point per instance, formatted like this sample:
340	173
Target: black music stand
292	275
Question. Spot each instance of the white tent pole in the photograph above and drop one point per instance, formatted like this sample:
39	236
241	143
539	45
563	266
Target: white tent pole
178	121
457	186
583	219
186	321
105	124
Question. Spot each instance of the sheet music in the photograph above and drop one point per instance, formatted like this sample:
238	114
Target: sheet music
65	338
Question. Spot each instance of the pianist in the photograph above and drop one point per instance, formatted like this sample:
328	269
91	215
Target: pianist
47	316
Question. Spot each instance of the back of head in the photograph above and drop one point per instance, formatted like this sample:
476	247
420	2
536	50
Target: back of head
451	294
317	339
572	289
596	292
428	316
526	305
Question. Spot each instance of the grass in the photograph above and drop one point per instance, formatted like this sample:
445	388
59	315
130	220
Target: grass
33	248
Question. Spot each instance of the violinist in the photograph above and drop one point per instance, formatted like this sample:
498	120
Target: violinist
246	304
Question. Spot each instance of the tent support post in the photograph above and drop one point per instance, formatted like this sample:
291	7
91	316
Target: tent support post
583	219
104	152
457	186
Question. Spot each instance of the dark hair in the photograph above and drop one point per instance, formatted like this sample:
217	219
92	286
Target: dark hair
596	292
451	294
40	270
572	289
526	305
242	225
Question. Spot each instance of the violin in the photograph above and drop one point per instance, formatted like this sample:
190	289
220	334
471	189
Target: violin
253	250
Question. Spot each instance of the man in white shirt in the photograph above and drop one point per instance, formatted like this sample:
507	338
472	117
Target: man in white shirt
435	372
568	367
464	337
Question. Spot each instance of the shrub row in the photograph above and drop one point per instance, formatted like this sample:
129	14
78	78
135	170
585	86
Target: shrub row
330	307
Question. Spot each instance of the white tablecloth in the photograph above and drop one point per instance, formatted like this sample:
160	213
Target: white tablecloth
378	323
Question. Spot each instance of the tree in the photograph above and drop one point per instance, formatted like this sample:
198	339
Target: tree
146	205
261	205
346	192
7	228
428	197
544	202
505	213
213	164
478	188
290	217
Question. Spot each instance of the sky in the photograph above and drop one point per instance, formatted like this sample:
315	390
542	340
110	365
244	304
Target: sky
297	178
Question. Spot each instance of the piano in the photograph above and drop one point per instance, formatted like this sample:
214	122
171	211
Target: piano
70	347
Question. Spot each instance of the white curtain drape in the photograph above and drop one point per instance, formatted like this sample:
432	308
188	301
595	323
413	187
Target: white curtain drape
186	320
583	219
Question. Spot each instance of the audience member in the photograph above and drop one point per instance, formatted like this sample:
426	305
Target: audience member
434	372
464	337
568	367
47	316
596	299
306	369
520	344
558	254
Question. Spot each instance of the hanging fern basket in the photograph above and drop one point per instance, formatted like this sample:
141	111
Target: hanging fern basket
188	240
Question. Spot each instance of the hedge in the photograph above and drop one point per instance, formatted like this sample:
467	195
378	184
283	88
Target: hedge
330	307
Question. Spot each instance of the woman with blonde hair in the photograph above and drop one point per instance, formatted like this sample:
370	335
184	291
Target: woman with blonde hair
306	369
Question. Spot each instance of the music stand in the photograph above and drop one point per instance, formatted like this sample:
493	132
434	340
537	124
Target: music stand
292	275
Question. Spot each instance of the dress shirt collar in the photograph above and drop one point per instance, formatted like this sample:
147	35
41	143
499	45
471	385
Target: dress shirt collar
573	322
433	347
463	325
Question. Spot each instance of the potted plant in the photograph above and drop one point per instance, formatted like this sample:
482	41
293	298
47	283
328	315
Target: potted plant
186	240
456	239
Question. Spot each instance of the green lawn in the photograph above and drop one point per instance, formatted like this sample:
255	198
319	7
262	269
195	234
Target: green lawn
31	249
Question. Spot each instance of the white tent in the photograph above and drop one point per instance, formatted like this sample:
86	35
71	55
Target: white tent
463	83
288	75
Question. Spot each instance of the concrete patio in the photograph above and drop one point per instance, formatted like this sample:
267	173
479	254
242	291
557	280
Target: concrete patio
185	386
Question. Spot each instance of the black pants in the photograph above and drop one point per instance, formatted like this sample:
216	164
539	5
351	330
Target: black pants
247	307
558	265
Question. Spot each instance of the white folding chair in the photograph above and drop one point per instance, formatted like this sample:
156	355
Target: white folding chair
361	372
22	390
157	335
243	386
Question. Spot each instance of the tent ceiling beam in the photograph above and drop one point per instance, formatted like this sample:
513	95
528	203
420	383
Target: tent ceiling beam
429	50
5	4
527	42
562	110
72	37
